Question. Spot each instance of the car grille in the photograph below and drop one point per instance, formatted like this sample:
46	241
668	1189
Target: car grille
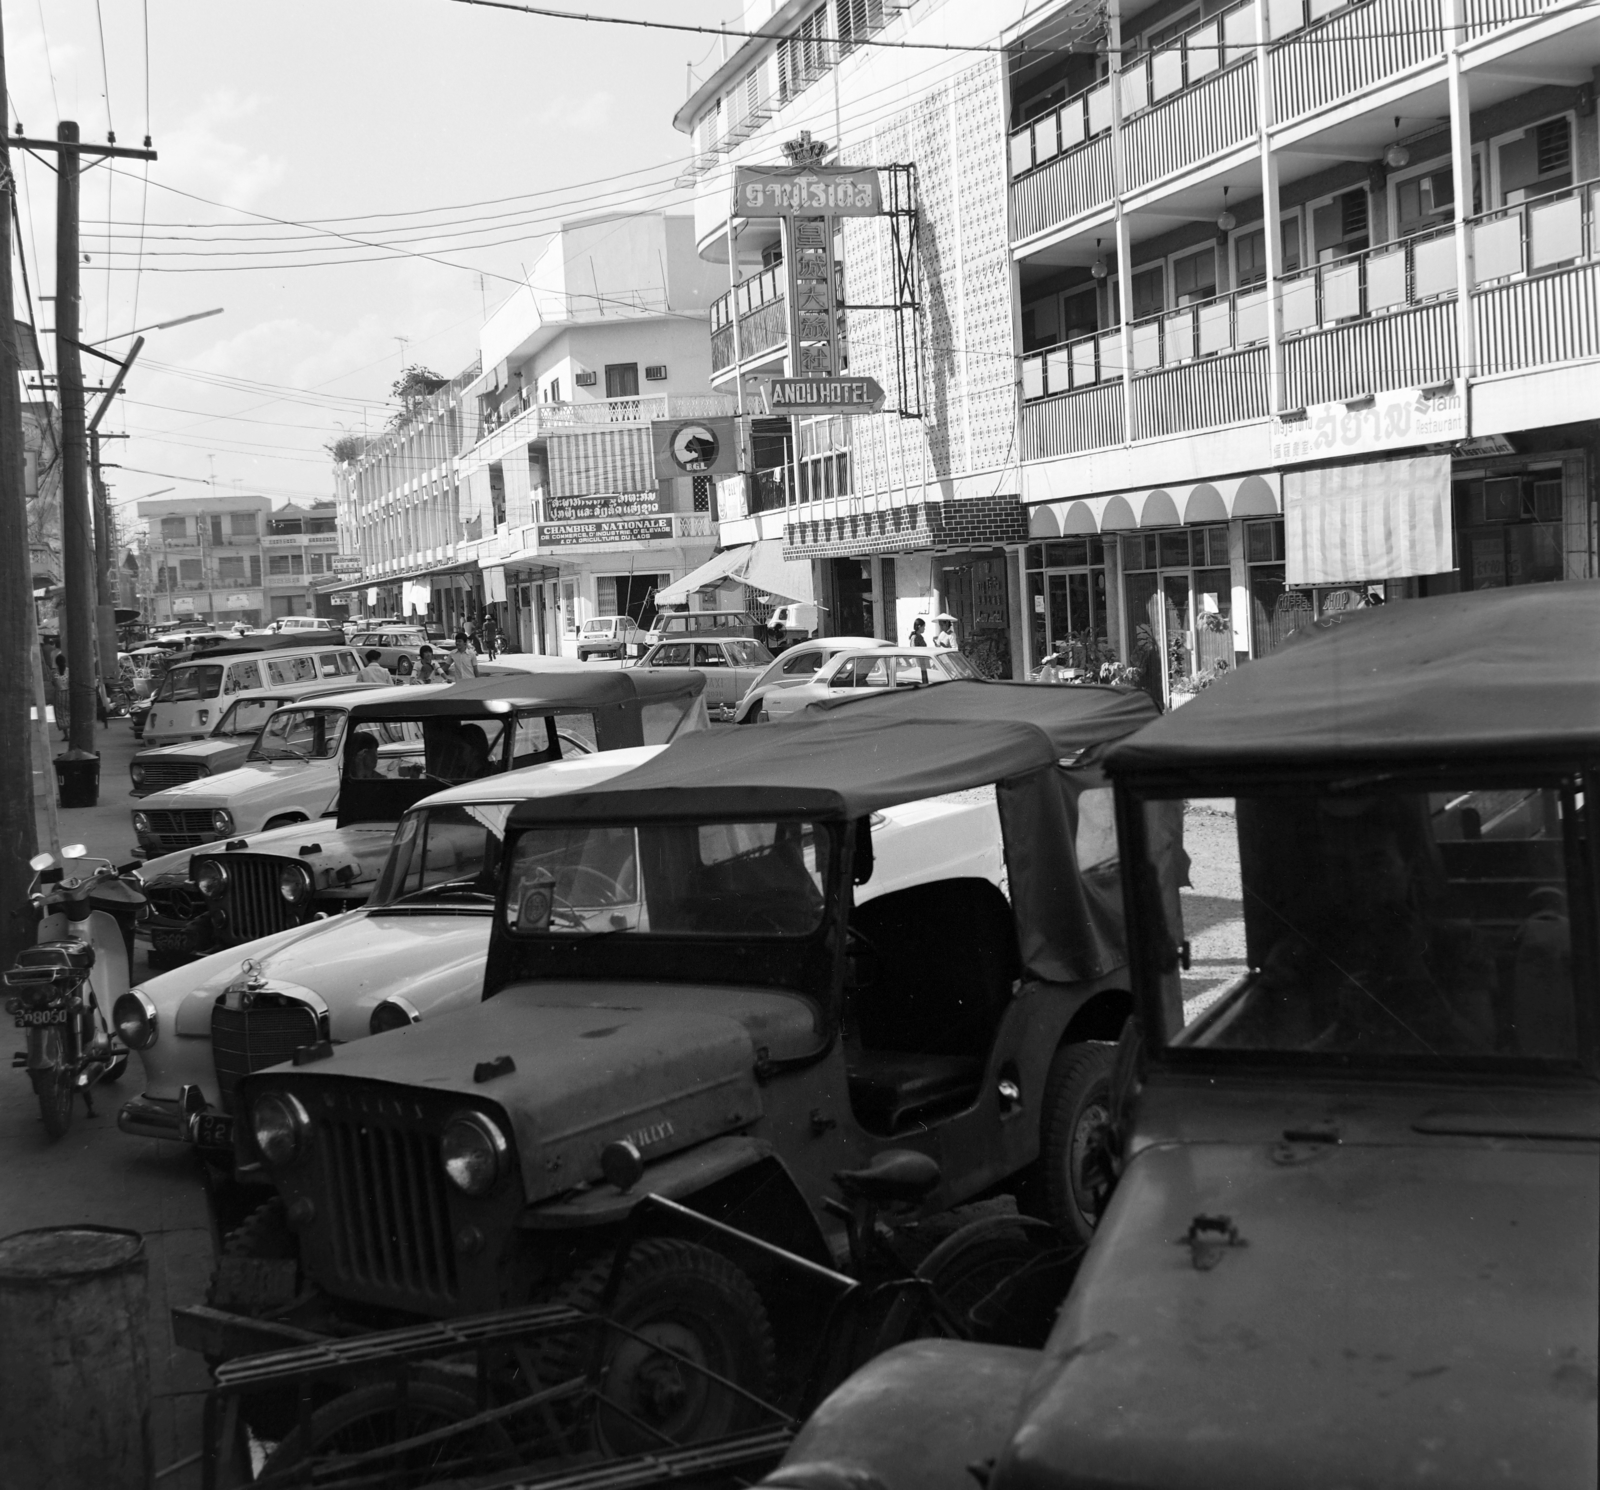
159	775
181	829
254	906
389	1215
245	1040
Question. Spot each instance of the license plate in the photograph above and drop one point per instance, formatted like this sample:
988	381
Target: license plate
171	941
32	1019
213	1130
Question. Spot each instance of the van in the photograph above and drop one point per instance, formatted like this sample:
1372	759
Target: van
674	625
192	694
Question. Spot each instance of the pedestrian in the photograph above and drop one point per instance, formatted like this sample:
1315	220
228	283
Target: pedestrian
428	670
470	626
919	633
491	635
374	671
463	661
944	639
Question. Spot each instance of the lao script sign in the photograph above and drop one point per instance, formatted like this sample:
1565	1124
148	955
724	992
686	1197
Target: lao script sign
1401	417
784	191
601	508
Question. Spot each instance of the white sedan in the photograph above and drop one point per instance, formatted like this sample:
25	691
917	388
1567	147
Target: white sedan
858	671
798	666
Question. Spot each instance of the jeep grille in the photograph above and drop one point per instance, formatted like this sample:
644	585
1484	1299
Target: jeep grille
389	1215
254	906
245	1040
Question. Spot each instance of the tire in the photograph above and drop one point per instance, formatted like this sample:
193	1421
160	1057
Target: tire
402	668
372	1416
53	1087
1077	1101
696	1303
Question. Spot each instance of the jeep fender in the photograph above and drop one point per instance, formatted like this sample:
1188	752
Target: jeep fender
913	1419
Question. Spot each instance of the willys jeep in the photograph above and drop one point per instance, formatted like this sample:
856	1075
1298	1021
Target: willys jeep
1354	1236
685	1003
236	889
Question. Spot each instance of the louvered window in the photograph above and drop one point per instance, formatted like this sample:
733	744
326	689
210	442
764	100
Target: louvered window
1554	146
858	19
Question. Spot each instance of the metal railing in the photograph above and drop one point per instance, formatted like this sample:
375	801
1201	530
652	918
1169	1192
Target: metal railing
1224	323
1545	232
761	303
1376	281
1336	56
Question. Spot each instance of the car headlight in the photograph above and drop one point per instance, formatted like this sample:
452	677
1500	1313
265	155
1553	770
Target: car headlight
211	879
221	822
294	884
392	1013
141	822
137	772
474	1152
135	1018
280	1126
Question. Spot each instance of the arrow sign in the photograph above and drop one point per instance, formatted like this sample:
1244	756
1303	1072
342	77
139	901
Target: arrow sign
824	396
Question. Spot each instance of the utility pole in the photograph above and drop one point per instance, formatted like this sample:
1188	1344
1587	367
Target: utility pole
77	544
18	660
105	593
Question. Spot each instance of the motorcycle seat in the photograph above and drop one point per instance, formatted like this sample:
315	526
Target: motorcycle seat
78	956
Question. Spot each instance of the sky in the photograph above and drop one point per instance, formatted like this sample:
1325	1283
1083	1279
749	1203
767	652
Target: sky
303	133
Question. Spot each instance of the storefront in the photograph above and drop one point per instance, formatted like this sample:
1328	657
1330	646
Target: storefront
977	590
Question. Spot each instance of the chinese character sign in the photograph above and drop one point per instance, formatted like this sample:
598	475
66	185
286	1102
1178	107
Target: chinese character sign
811	308
785	191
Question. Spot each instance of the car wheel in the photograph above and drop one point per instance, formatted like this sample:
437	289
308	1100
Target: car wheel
402	668
1075	1180
282	821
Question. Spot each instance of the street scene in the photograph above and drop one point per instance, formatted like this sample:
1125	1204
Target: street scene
813	772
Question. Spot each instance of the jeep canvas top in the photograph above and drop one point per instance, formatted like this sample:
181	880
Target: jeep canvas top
1354	1232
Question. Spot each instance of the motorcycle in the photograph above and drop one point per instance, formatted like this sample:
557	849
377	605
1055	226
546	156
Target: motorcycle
65	989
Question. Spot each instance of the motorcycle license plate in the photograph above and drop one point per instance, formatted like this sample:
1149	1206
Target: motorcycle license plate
213	1130
171	941
32	1019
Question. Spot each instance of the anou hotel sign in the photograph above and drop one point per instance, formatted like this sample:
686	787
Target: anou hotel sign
811	191
1404	416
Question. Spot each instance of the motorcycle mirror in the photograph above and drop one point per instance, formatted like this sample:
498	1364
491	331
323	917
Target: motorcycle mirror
73	851
41	861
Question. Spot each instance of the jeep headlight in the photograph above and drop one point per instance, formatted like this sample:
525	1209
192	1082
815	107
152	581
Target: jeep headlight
141	822
294	884
474	1152
221	822
280	1127
135	1018
392	1013
211	879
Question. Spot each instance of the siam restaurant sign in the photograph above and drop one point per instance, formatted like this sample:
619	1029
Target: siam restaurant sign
819	191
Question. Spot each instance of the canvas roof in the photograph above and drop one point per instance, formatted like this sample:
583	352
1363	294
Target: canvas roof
563	689
1513	673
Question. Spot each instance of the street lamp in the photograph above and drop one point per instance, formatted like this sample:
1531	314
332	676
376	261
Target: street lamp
199	315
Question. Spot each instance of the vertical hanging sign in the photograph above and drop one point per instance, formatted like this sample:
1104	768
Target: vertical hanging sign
811	309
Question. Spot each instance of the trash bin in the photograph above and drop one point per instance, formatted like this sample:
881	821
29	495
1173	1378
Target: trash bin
78	779
74	1374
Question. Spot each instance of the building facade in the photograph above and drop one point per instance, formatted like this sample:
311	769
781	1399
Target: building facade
202	560
298	552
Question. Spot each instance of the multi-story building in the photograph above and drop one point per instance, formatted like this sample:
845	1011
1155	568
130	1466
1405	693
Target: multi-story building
298	550
1227	430
1215	431
203	558
568	515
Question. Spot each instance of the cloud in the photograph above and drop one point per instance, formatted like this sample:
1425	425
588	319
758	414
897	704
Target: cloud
596	111
207	151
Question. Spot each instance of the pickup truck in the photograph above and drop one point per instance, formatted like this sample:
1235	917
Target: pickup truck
730	667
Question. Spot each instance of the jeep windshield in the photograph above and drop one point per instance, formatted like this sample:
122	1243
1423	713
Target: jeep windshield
711	879
1371	921
245	717
445	856
301	735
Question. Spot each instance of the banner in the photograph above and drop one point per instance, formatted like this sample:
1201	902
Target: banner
628	530
1380	520
783	191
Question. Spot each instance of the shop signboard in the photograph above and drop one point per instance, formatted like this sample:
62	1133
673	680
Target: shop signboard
824	396
238	601
695	447
346	563
616	531
1391	421
608	508
785	191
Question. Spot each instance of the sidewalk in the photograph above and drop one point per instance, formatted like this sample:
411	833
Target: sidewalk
98	1175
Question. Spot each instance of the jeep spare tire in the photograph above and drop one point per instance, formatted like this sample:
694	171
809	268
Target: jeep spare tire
680	1305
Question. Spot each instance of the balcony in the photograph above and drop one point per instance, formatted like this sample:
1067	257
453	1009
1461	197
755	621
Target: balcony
1196	98
538	421
1372	322
763	319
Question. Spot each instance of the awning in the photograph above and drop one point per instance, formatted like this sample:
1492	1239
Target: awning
1379	520
1159	507
760	565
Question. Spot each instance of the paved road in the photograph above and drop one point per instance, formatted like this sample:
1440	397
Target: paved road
96	1174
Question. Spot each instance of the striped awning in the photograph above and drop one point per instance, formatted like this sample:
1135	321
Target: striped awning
1377	520
1160	507
595	461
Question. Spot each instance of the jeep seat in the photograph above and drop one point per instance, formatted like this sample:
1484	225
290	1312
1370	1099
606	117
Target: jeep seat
890	1092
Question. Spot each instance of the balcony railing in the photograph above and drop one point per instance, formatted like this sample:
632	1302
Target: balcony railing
1377	281
1230	389
1347	52
538	420
1085	419
1222	324
763	318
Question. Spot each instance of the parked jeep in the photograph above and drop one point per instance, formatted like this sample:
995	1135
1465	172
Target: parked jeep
238	889
687	997
1353	1240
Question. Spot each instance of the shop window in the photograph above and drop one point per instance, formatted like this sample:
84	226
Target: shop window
1509	530
1066	585
1275	610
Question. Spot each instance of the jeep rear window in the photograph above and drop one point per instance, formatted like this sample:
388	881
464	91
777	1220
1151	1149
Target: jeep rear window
1359	921
754	879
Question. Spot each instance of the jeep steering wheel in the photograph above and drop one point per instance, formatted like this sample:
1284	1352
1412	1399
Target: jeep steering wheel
612	892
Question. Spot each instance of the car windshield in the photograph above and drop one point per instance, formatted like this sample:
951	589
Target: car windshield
445	854
246	716
186	684
677	879
1360	922
747	653
301	734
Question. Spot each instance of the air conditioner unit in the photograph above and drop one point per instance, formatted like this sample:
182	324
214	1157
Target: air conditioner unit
584	379
655	372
